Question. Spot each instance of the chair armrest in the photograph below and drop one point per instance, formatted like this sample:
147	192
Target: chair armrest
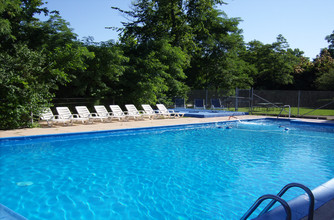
75	116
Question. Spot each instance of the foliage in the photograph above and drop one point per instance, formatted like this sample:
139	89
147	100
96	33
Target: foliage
101	75
324	66
36	57
153	74
330	40
23	88
275	63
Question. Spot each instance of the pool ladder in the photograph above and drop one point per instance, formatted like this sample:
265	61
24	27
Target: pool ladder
277	198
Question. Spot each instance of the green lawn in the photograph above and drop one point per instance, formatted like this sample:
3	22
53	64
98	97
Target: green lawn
294	111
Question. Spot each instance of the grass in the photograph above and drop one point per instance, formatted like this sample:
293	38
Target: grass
294	111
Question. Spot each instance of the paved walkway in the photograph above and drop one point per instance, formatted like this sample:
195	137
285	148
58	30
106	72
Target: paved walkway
98	126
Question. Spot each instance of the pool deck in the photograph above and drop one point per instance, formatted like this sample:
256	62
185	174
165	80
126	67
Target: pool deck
100	126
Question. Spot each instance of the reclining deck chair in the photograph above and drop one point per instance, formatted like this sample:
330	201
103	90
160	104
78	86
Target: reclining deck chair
132	111
117	112
65	113
102	111
149	111
50	118
85	113
168	113
199	104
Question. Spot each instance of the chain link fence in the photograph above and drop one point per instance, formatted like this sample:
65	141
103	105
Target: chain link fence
269	102
264	102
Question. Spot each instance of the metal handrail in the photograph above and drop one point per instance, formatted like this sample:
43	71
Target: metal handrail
265	197
284	189
283	108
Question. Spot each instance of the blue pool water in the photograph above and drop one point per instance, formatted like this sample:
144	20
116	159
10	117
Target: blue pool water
184	172
207	113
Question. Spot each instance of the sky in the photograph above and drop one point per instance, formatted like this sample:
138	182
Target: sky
303	23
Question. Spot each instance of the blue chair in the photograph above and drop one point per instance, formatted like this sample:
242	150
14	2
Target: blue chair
199	104
216	103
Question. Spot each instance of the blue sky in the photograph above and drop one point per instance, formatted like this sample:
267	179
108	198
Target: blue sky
304	23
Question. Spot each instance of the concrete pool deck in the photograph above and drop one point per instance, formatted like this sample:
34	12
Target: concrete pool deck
100	126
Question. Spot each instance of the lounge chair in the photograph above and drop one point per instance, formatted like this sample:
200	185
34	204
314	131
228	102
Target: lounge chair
132	111
102	111
117	112
85	113
216	103
168	113
50	118
65	113
149	111
199	104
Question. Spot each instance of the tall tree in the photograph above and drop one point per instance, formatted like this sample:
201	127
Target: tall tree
35	58
275	63
205	35
330	40
324	66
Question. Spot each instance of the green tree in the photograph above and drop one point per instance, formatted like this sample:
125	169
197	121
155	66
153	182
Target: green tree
324	66
35	58
330	40
157	60
275	63
102	74
154	72
208	39
23	88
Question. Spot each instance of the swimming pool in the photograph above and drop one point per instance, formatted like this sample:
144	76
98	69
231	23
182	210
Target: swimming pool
207	171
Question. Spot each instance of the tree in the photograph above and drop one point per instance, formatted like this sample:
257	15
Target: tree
157	61
36	57
275	63
102	74
206	37
215	62
324	66
154	72
330	40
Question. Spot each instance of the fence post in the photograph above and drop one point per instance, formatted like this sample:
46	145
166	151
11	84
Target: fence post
251	101
298	102
236	98
206	97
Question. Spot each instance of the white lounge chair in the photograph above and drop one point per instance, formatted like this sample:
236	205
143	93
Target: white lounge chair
102	111
117	112
168	113
149	111
85	113
132	111
50	118
65	113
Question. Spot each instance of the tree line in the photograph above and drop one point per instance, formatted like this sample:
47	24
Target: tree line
165	49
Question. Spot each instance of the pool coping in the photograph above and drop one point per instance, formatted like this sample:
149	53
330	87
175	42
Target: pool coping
161	127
